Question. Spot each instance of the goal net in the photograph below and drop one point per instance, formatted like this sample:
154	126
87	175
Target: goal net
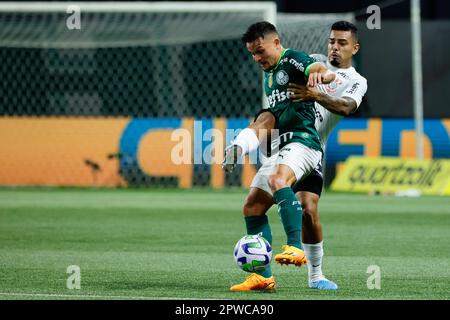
91	91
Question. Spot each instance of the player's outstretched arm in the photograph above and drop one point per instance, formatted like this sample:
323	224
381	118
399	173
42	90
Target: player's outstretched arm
339	105
318	73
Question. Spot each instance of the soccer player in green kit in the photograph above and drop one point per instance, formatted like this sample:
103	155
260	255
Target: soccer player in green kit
332	102
299	143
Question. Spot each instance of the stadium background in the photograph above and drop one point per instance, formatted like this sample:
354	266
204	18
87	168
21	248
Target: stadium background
102	114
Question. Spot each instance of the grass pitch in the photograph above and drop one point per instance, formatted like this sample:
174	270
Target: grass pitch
172	244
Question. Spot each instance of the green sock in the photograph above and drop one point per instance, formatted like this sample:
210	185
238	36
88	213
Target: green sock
260	224
290	212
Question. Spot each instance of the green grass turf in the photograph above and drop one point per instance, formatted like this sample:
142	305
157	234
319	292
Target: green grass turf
178	244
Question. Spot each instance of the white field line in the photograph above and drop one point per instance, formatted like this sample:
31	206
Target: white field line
55	295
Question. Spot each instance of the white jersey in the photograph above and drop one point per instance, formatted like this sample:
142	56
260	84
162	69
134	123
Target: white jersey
348	83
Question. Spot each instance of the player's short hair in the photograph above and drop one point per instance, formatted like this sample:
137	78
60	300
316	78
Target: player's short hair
258	30
346	26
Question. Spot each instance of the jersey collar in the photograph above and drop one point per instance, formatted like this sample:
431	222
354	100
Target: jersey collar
335	69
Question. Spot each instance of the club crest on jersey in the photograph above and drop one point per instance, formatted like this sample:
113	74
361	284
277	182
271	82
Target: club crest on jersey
282	77
332	87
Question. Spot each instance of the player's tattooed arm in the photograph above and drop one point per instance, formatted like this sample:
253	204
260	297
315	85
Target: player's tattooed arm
317	73
339	105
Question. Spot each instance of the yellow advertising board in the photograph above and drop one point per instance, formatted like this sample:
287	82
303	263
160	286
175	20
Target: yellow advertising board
390	175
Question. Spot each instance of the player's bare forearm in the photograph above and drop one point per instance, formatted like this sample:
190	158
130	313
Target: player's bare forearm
319	74
343	106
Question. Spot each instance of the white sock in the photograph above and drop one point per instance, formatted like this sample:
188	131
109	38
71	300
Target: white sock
247	140
314	254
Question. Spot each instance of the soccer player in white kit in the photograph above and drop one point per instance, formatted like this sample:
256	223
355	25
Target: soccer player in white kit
332	102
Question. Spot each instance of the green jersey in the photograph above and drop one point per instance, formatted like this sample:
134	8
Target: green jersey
294	120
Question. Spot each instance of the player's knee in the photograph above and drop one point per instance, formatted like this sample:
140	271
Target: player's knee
310	212
253	206
251	209
249	205
276	182
265	120
268	119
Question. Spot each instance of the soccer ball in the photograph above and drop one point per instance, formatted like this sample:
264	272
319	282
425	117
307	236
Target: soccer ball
253	253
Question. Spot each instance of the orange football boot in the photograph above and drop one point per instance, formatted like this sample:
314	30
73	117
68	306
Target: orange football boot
255	282
291	255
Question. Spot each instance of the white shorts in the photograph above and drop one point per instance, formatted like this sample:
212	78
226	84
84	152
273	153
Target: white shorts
301	159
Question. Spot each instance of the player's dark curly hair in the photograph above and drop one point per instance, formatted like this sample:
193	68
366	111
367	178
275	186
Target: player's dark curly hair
258	30
346	26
